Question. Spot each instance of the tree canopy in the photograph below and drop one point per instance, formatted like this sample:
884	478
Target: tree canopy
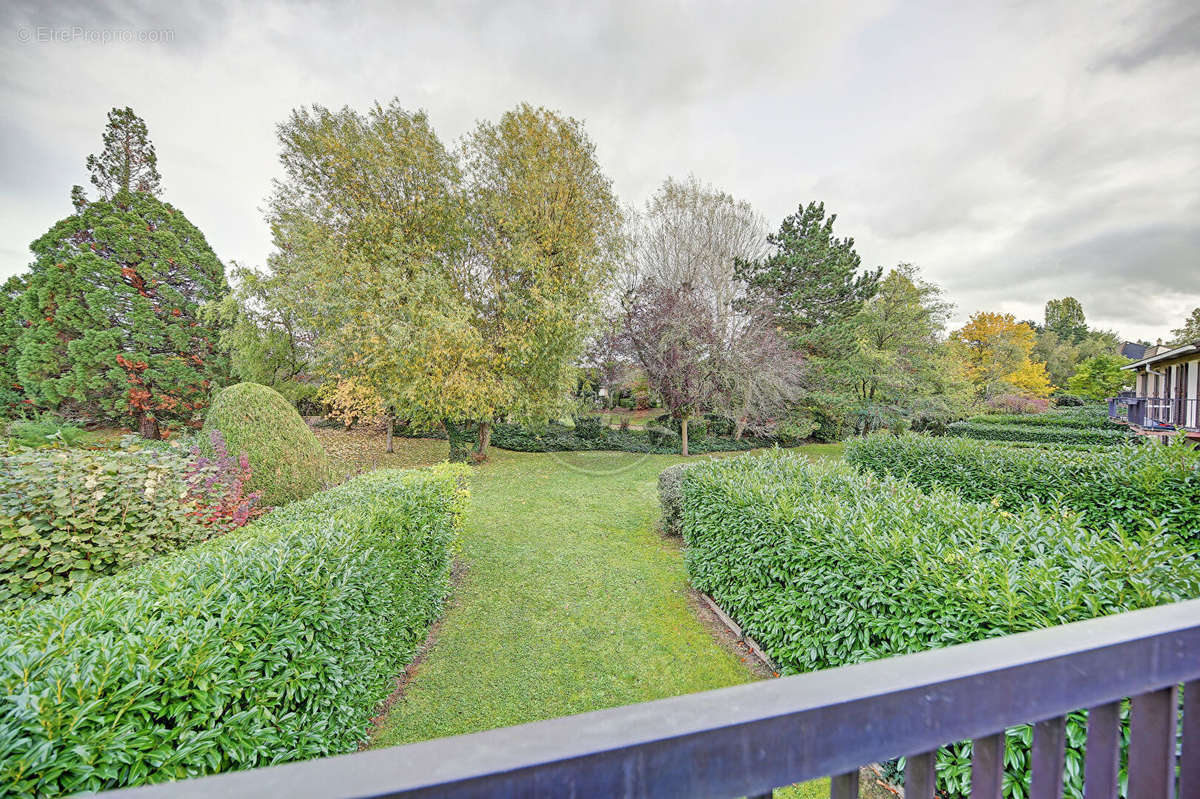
812	278
997	351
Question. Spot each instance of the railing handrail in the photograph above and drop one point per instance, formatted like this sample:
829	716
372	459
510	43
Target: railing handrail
748	739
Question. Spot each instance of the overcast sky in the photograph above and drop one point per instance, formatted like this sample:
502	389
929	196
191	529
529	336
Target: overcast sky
1015	152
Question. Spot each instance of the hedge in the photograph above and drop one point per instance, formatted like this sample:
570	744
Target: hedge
270	644
1131	487
558	437
1076	421
288	462
825	567
70	516
1044	434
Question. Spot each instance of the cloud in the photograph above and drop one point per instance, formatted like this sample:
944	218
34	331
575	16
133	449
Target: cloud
1014	151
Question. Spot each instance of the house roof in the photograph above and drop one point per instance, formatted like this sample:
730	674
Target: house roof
1176	352
1133	351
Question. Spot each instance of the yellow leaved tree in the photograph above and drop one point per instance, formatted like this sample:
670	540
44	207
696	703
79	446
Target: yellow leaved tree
996	351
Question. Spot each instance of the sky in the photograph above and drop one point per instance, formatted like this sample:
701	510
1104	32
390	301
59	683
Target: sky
1014	151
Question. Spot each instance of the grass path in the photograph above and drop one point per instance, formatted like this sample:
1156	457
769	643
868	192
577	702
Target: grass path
572	601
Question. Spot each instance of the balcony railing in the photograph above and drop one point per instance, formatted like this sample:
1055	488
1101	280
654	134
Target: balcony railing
1150	412
748	739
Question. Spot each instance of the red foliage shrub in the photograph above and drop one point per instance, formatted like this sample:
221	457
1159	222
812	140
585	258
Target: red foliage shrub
217	484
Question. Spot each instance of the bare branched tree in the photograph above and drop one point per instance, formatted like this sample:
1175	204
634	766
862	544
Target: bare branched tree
736	364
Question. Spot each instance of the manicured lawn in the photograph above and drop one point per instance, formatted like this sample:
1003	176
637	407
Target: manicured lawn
571	600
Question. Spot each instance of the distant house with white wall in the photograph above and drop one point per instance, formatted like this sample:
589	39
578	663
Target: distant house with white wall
1166	392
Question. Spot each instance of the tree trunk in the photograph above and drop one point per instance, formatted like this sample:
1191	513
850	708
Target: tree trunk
739	428
683	429
148	427
485	438
391	423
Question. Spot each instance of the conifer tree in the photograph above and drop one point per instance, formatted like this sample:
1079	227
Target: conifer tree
111	309
812	279
128	161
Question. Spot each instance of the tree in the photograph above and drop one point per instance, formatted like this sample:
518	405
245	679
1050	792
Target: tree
12	327
114	310
900	368
688	240
1190	331
544	234
1066	320
1100	377
457	297
128	161
675	337
996	350
263	336
812	279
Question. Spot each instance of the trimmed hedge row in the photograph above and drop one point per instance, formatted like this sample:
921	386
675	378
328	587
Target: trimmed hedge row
1133	488
70	516
825	567
595	436
272	643
1045	434
1078	421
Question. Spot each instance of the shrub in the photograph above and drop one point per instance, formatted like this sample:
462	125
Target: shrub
463	438
825	567
1045	434
217	485
1131	487
1079	421
70	516
1015	403
1068	400
669	480
272	643
288	462
557	437
44	432
589	428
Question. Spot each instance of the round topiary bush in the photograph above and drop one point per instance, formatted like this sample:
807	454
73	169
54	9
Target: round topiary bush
286	460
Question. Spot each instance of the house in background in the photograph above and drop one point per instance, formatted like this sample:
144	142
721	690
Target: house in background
1166	393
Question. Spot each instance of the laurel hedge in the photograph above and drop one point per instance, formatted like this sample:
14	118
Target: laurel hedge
1044	434
1127	487
556	437
825	566
272	643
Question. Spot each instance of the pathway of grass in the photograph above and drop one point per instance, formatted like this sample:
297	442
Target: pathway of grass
572	602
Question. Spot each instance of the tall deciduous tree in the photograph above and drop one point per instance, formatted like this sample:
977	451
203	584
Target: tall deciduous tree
456	297
1190	332
1100	377
678	342
114	307
900	367
812	279
544	227
688	241
997	350
367	224
1065	318
128	161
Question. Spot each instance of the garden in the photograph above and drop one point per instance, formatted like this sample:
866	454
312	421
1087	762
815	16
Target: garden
452	462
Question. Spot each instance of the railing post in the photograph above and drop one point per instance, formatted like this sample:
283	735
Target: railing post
1152	726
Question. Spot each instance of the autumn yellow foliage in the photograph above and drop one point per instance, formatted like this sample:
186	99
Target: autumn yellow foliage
997	351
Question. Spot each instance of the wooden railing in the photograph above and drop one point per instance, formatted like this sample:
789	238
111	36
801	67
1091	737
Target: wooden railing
748	739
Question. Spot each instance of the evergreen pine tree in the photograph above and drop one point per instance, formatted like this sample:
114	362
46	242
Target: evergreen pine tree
128	161
812	279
